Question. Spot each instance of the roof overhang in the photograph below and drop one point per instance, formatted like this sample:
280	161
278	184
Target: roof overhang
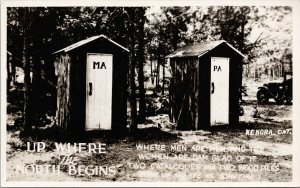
236	50
86	41
199	54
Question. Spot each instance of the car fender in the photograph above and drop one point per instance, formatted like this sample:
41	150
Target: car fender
265	89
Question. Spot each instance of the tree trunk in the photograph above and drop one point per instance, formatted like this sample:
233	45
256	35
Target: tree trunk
8	73
13	70
282	70
157	72
26	67
151	72
175	37
132	86
36	85
141	60
163	84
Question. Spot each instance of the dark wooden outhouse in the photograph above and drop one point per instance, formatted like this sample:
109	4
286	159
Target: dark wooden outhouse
205	85
92	85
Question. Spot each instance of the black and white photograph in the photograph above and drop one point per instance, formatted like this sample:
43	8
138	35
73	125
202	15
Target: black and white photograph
173	94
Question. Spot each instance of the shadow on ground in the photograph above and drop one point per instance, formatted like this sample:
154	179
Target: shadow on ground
147	135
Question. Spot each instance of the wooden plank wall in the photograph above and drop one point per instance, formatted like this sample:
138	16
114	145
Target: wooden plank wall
184	91
62	69
235	81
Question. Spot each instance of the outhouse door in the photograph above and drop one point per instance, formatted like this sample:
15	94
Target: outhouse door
98	91
219	98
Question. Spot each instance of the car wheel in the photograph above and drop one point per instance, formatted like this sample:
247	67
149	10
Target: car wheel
262	97
289	100
279	101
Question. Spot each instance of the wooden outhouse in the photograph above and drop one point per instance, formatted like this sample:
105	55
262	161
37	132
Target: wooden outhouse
205	85
92	85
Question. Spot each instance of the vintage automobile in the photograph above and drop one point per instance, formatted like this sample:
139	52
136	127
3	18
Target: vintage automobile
281	92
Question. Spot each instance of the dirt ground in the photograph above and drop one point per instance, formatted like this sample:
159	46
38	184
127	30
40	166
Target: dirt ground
197	156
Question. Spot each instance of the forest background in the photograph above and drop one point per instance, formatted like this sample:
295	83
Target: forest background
263	34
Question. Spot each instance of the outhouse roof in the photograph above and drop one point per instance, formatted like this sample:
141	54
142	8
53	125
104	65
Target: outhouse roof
198	50
88	40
